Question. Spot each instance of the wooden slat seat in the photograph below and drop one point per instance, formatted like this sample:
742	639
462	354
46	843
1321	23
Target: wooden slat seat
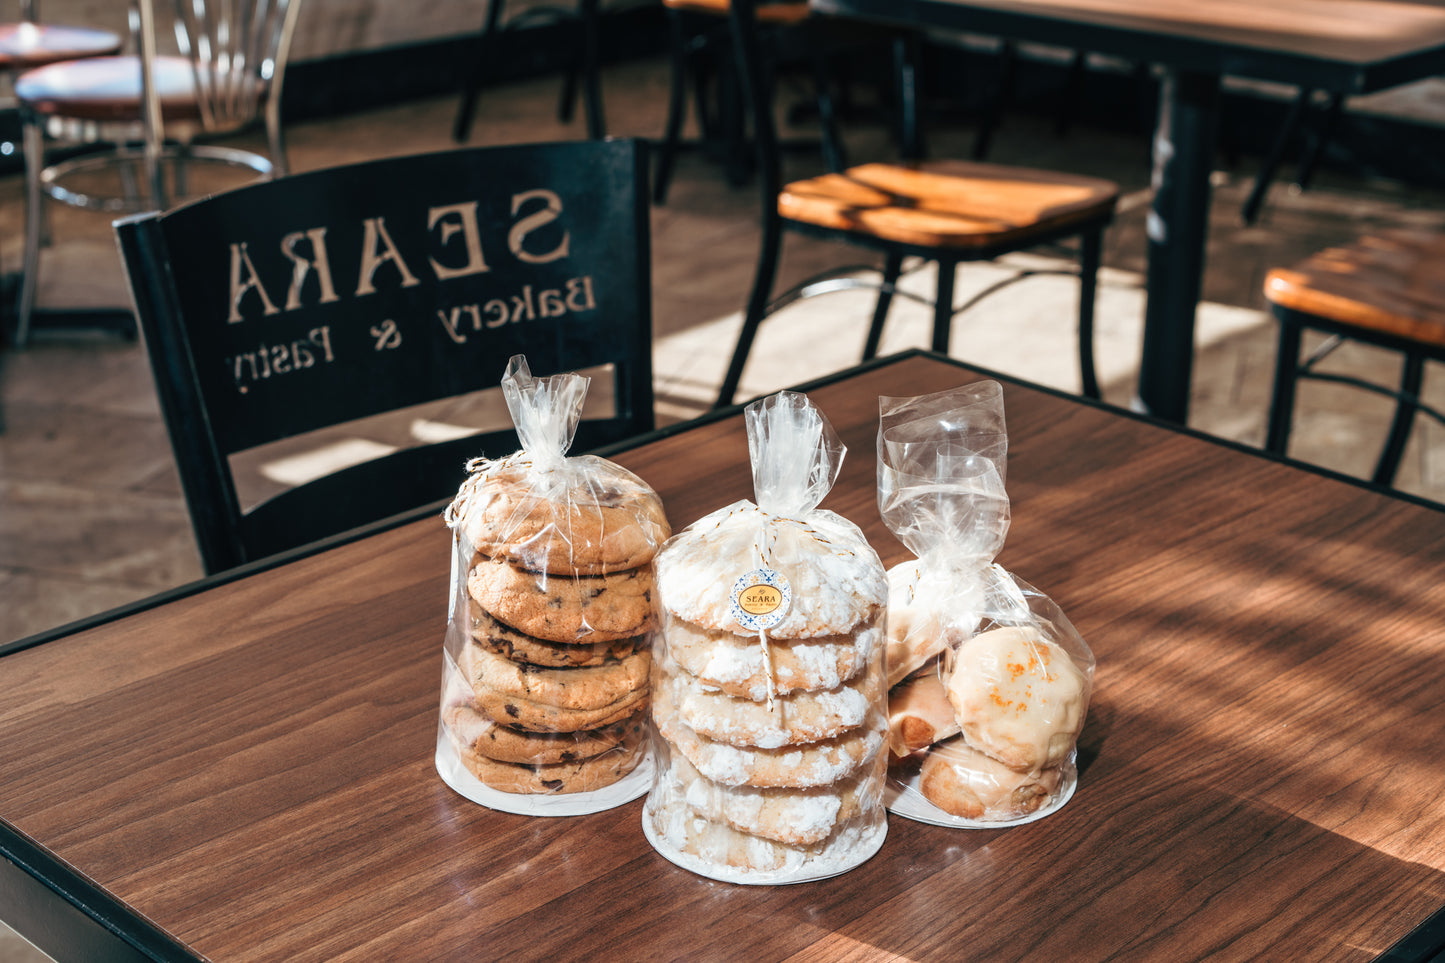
1391	282
946	203
27	45
787	11
1385	289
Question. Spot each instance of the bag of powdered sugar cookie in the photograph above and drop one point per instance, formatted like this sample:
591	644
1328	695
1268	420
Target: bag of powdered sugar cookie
768	687
989	682
548	651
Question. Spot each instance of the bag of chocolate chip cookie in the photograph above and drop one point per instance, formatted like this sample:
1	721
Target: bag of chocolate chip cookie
989	681
768	672
547	653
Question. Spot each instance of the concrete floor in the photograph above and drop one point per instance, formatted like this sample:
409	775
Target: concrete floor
91	515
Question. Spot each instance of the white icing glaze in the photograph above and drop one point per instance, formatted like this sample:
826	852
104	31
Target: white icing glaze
1018	697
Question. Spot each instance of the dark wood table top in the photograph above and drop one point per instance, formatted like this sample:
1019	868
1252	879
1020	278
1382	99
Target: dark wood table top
1353	46
249	767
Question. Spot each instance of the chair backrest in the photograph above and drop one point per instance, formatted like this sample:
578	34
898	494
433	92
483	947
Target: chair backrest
287	306
238	51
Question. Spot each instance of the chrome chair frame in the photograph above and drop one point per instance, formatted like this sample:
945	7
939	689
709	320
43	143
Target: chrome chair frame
237	70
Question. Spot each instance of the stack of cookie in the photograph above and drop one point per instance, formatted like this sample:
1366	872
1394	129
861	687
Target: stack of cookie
770	766
990	736
549	683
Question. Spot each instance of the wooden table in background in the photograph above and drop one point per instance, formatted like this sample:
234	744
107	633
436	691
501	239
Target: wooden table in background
243	771
1341	46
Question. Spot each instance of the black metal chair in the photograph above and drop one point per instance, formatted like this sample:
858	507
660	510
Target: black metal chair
1385	289
584	67
944	211
289	306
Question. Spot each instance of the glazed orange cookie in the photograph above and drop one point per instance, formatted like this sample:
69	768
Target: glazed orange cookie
802	717
735	665
507	642
797	767
964	782
564	608
612	524
488	738
585	775
1018	698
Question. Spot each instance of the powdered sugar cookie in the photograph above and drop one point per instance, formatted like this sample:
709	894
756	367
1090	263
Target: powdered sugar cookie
564	608
797	817
836	579
486	737
609	521
1018	698
735	664
797	767
719	851
796	719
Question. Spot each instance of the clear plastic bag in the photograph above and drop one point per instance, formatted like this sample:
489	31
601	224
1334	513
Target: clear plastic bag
768	686
989	681
547	655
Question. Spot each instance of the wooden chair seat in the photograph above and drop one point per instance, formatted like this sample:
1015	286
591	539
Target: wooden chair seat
1392	283
1385	289
108	89
947	203
24	46
784	12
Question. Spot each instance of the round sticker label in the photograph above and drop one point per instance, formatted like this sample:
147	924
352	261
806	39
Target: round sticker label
760	599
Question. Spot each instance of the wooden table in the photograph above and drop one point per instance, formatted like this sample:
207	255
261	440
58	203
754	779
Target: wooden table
1342	46
244	770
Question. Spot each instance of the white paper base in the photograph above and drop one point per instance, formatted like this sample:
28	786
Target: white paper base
816	869
902	797
632	786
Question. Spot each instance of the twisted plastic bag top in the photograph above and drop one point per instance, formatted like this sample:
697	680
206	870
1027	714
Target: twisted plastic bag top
795	454
545	410
544	511
941	470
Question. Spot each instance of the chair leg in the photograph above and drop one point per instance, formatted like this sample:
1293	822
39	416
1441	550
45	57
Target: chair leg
1002	96
33	146
462	126
768	252
592	69
892	270
1249	211
1281	405
1412	375
676	110
943	306
1091	246
1311	159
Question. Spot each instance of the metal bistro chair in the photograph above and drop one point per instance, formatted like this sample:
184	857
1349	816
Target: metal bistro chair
946	211
1385	289
151	110
289	309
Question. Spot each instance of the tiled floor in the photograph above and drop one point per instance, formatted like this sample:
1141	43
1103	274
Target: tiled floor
90	509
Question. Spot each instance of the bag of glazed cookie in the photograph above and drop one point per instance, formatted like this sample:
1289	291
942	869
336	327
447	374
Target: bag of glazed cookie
989	682
548	649
768	687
